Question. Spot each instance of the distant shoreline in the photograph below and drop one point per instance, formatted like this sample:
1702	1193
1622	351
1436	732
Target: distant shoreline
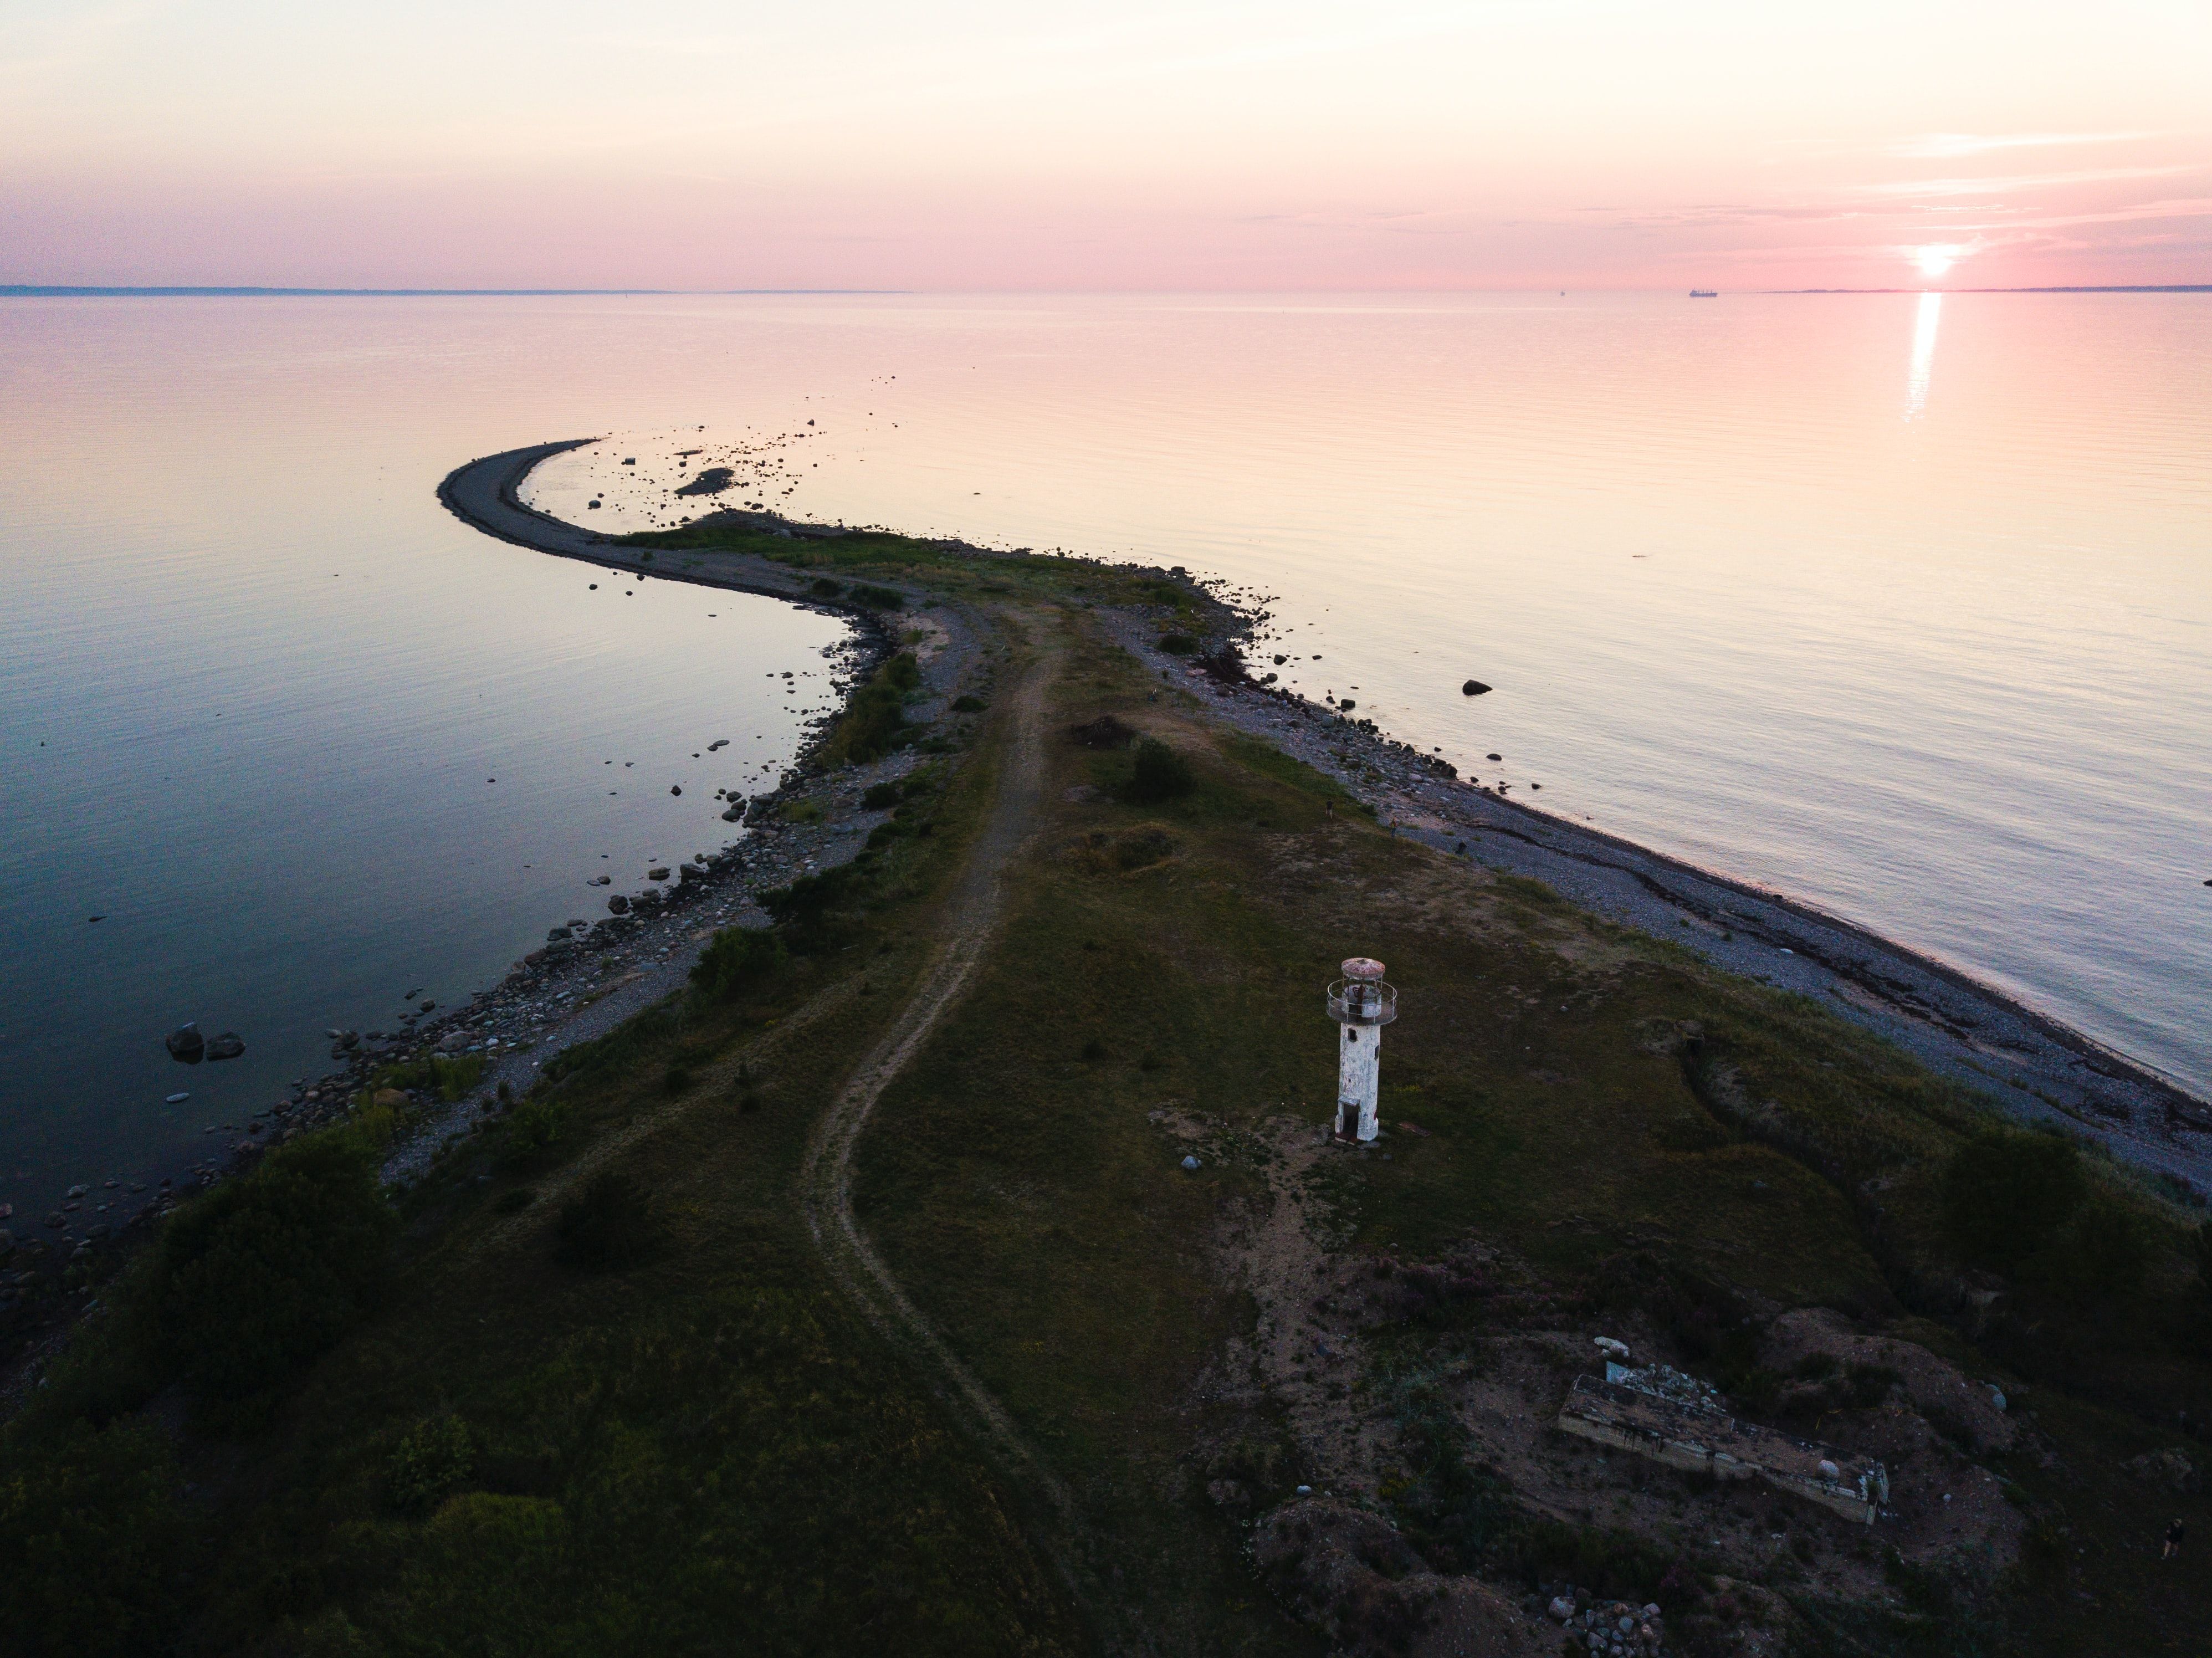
60	291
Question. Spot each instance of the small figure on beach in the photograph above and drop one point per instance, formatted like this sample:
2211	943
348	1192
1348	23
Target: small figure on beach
2174	1534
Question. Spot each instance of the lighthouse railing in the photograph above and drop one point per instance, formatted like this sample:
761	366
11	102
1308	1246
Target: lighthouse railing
1363	1001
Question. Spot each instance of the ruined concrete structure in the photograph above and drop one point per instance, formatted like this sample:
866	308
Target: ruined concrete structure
1676	1419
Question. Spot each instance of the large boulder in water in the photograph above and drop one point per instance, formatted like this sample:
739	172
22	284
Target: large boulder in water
185	1043
228	1046
618	905
1473	687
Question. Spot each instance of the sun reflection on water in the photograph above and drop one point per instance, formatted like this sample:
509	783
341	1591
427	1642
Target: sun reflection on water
1924	354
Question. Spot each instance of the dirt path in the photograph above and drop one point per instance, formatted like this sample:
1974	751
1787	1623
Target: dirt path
826	1179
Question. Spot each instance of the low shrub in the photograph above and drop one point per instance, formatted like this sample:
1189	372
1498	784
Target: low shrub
1160	774
2009	1194
968	705
875	723
264	1274
880	796
824	587
92	1538
1179	645
608	1227
432	1463
535	1125
443	1078
877	599
738	958
1103	732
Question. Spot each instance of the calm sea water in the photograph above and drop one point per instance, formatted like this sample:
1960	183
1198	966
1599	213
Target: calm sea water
1900	604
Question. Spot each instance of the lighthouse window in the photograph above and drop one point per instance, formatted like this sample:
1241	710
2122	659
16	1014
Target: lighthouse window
1351	1035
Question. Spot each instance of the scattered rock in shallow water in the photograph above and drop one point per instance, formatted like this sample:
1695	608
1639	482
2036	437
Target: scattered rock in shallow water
618	905
426	1006
185	1043
1494	756
600	881
658	873
1473	687
677	790
176	1099
552	934
228	1046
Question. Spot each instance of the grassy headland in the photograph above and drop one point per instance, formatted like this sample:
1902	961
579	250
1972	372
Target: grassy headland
592	1387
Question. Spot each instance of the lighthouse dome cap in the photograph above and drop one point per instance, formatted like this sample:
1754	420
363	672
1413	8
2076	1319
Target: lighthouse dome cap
1362	966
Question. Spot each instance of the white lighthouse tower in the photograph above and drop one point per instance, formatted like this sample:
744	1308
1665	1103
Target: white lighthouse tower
1361	1003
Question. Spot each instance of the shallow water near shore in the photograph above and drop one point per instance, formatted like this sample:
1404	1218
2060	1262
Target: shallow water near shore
1902	606
301	740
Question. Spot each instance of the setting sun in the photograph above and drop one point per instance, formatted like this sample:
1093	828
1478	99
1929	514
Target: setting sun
1934	261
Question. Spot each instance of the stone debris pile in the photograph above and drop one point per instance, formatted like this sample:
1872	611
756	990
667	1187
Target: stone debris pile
1614	1628
1659	1412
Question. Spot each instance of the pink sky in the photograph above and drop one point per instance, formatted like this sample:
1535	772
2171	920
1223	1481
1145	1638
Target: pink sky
985	144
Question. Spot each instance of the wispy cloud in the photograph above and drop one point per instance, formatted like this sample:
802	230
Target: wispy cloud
2023	180
1930	146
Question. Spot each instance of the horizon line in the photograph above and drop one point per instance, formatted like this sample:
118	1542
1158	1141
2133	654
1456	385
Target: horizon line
75	290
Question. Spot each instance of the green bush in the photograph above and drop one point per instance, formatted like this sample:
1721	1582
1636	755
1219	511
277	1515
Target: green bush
91	1540
968	705
880	795
1160	774
1179	645
448	1080
806	901
432	1462
2100	1263
263	1275
2006	1195
608	1226
825	588
875	723
739	959
486	1577
878	599
535	1125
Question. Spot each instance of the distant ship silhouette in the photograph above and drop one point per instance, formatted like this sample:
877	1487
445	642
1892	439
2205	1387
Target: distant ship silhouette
1705	294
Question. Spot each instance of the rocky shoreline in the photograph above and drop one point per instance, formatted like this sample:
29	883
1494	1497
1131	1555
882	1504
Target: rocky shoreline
2035	1068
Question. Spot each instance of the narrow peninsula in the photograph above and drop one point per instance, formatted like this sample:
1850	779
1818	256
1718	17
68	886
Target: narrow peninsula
944	1249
